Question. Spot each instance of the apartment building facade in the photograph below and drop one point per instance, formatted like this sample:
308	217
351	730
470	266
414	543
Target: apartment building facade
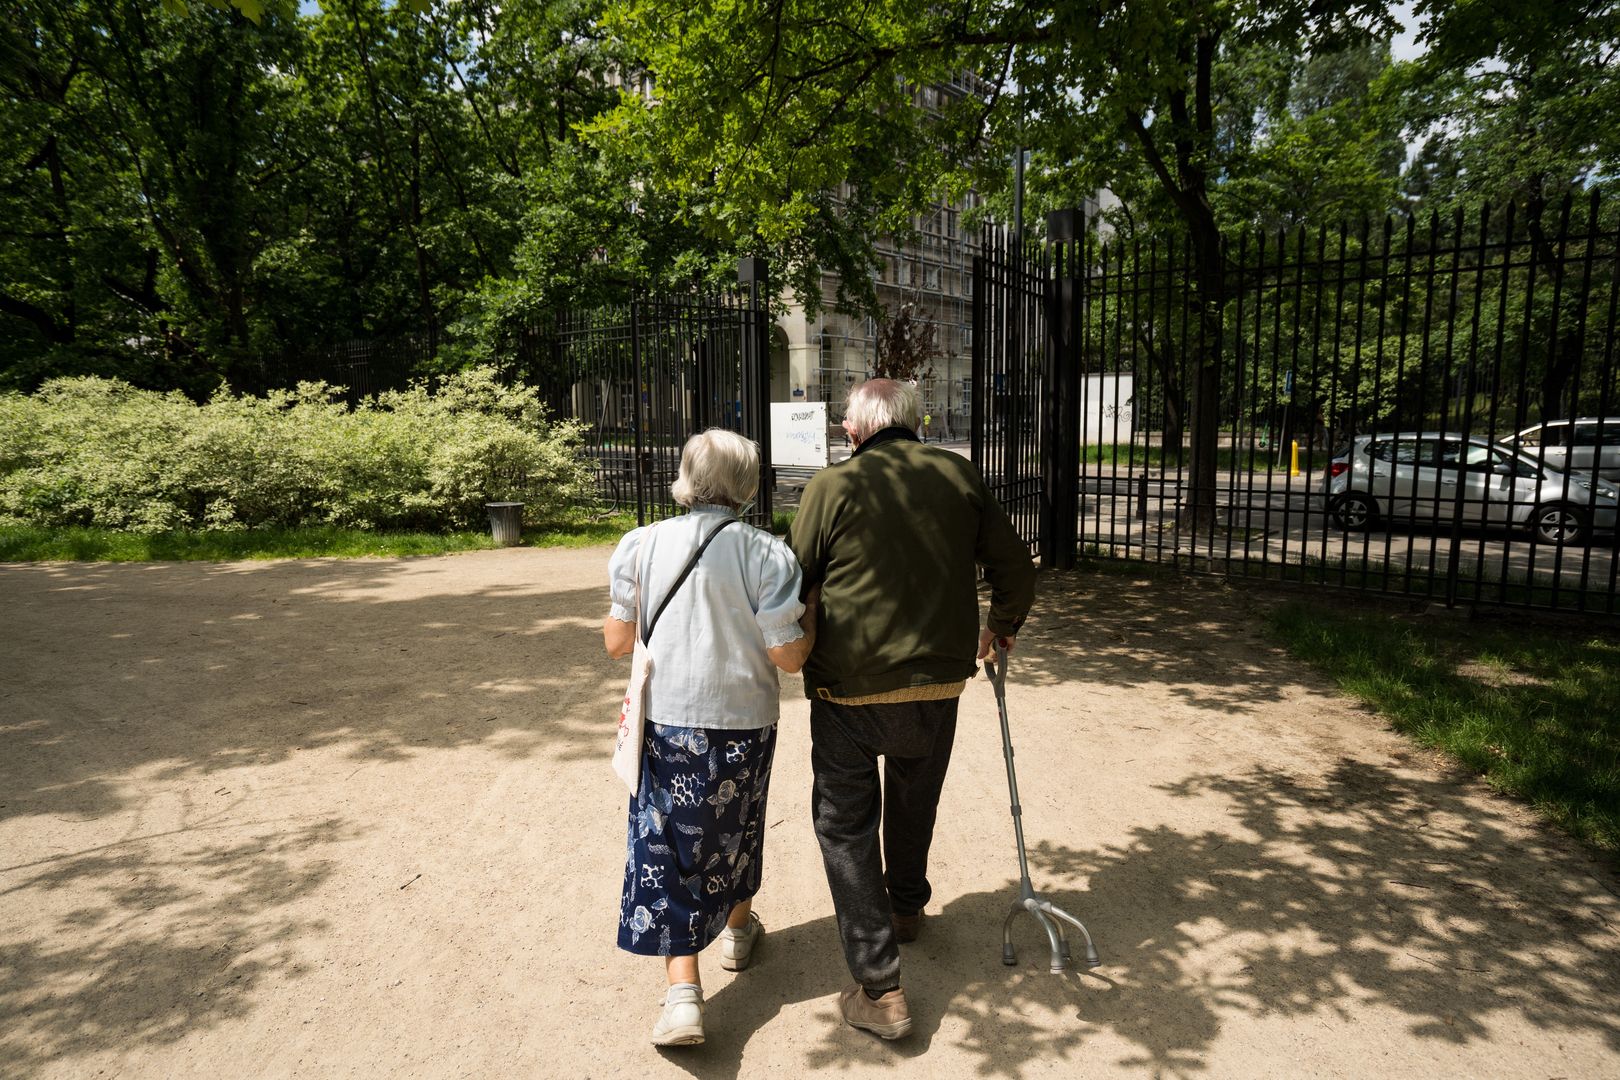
818	358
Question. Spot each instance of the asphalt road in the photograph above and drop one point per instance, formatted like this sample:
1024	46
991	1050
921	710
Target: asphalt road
1279	519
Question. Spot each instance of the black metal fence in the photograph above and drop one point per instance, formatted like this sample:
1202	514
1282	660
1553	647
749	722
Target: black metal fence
361	367
1011	369
644	376
1428	407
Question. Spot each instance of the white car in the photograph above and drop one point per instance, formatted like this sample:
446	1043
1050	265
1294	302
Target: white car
1587	444
1434	476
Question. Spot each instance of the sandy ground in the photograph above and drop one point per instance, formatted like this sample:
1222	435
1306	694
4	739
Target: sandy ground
356	819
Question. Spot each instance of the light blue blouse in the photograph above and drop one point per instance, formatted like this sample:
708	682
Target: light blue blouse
710	668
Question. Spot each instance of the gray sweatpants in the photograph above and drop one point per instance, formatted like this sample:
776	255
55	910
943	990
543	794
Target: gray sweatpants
914	739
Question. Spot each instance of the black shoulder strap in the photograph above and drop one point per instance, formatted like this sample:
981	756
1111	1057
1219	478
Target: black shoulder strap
646	634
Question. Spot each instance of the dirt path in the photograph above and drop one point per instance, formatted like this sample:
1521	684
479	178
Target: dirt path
355	819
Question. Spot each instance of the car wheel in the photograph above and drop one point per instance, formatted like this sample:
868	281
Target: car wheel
1353	512
1560	523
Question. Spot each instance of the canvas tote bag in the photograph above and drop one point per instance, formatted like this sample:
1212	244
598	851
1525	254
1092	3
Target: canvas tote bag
633	714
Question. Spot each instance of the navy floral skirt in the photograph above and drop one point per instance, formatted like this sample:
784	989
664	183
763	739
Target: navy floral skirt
697	834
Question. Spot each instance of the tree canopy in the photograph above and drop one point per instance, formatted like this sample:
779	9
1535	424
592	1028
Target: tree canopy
196	188
193	192
1200	115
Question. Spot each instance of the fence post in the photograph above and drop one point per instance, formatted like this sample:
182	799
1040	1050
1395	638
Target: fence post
1060	465
752	273
643	463
981	332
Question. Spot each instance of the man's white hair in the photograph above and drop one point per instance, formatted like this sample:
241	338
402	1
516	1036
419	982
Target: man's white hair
879	403
719	467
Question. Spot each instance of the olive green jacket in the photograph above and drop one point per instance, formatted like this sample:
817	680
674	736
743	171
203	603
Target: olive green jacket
894	537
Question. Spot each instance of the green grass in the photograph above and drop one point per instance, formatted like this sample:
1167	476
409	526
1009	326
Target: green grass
1534	709
579	530
23	543
26	543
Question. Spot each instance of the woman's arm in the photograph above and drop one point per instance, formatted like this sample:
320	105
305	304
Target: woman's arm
618	636
791	657
624	594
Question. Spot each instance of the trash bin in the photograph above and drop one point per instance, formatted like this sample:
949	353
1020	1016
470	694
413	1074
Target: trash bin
505	522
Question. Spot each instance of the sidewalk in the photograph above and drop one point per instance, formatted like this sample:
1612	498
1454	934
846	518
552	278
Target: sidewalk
355	818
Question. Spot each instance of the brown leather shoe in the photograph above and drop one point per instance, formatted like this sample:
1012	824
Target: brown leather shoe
906	927
888	1017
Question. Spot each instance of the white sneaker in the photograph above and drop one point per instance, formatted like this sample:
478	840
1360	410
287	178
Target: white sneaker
737	946
681	1022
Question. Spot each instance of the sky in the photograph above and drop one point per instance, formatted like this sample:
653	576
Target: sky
1405	45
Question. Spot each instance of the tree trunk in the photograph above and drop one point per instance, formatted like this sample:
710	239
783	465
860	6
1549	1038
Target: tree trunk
1556	402
1209	297
1566	350
1192	129
1175	402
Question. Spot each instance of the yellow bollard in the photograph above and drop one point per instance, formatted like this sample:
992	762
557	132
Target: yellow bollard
1293	458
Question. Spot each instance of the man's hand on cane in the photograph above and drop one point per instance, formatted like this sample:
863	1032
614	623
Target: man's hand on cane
988	638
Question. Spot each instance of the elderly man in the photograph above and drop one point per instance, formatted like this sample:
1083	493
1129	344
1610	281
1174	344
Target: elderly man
894	537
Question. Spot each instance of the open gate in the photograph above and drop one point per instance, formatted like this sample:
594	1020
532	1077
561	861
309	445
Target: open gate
645	376
1026	383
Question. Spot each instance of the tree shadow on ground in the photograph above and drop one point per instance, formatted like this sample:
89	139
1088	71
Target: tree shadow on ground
162	952
1362	889
1191	636
181	670
199	668
128	691
1366	889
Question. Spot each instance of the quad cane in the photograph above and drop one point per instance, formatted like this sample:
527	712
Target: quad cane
1044	912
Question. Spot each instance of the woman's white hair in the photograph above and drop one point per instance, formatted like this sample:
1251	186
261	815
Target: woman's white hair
879	403
719	467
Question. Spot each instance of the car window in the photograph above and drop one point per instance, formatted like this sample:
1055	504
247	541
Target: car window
1512	465
1443	452
1477	457
1531	438
1404	452
1607	434
1555	434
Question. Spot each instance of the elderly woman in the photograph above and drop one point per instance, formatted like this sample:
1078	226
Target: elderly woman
697	823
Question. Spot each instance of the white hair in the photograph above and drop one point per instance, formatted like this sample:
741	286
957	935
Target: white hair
717	466
879	403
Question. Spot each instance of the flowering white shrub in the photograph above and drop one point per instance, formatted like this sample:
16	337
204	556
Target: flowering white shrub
87	451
